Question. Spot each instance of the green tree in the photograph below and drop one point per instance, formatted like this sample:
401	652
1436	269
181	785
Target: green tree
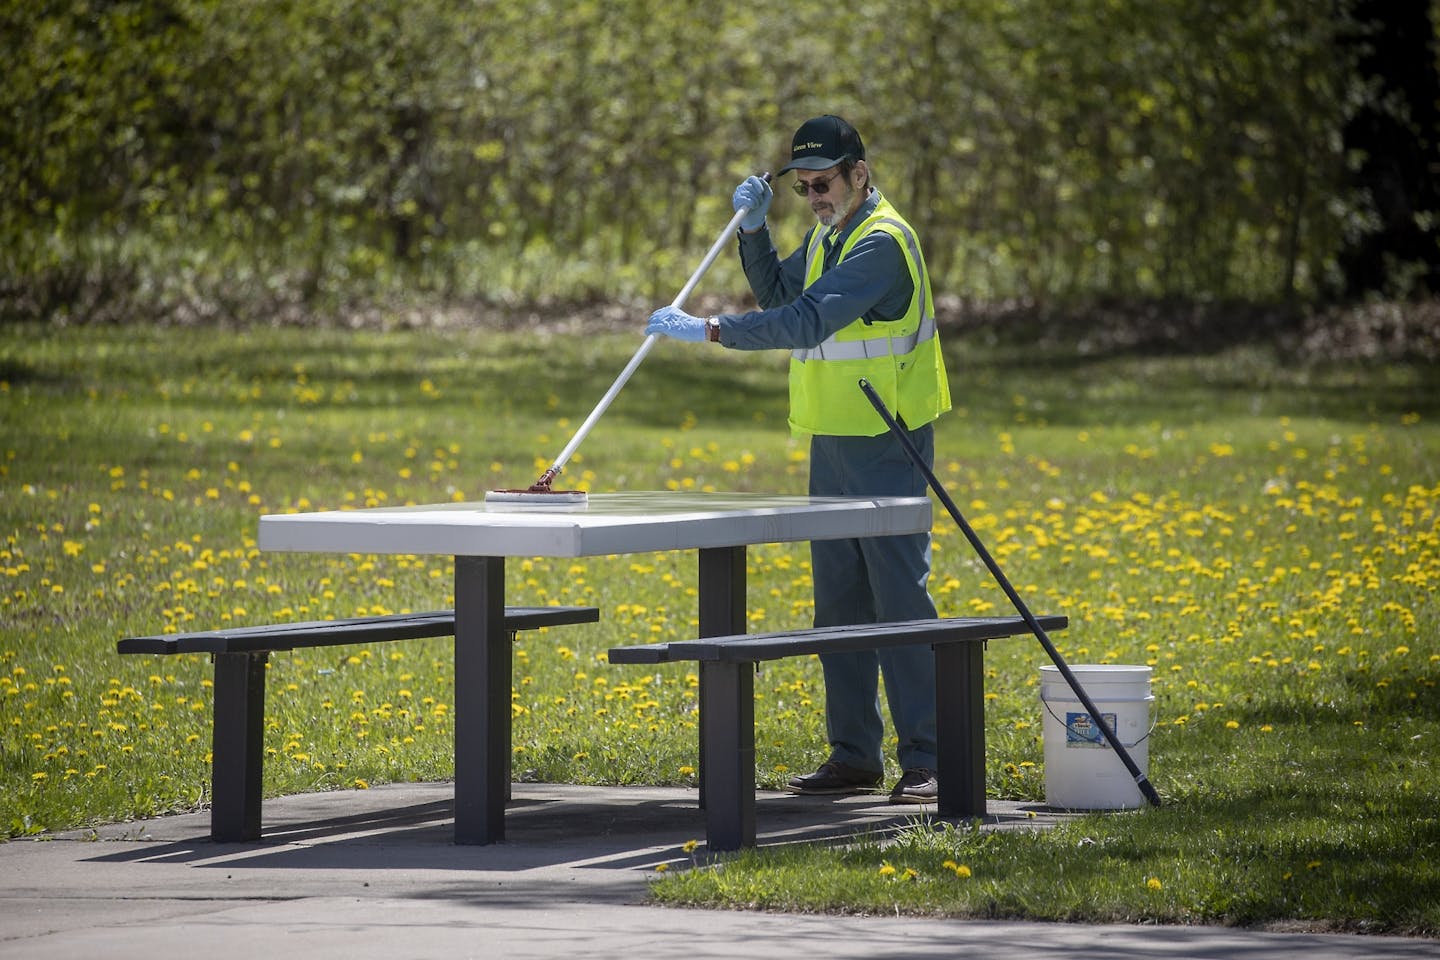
258	157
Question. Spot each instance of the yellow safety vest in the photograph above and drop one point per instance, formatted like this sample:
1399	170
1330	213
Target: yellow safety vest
901	358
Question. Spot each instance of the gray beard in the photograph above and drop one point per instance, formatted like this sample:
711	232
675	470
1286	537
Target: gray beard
839	213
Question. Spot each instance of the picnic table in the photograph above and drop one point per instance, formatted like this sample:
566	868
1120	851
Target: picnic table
482	536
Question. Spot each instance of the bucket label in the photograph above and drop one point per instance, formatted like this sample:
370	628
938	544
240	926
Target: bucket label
1081	731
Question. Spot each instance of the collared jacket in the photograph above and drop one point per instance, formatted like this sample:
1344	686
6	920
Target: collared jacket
849	304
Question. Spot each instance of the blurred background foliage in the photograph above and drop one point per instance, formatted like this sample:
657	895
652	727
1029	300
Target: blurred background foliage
258	159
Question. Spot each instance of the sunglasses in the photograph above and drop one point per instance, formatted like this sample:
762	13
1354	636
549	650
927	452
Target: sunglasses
818	187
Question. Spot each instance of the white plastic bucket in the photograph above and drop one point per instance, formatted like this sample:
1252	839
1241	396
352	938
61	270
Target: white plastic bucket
1082	770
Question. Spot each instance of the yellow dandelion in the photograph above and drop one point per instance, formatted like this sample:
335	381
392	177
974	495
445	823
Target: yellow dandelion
1154	883
690	846
886	870
661	867
961	871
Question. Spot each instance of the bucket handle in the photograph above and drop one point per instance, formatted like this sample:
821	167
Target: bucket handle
1153	723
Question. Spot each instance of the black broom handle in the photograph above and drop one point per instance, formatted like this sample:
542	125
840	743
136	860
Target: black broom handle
1140	779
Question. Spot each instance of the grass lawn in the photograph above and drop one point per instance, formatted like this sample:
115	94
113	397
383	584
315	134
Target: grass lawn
1261	533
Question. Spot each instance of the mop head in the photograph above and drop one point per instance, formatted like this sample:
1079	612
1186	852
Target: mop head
540	495
539	498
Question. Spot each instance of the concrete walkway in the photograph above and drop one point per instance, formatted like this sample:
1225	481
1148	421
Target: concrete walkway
373	874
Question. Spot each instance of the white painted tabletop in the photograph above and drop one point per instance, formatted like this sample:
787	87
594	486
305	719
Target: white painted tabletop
611	523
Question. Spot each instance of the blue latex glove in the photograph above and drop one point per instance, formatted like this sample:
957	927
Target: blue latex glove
676	323
754	193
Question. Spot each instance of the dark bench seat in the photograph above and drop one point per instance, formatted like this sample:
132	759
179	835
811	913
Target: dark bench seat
240	655
727	705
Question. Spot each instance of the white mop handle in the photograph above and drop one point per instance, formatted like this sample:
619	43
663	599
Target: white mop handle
645	347
710	256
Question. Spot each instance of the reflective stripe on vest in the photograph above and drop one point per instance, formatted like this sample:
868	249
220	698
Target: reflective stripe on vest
875	347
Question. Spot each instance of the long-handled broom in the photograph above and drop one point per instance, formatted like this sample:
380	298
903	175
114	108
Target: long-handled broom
1141	780
540	493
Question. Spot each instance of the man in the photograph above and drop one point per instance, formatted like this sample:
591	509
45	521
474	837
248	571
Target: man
852	301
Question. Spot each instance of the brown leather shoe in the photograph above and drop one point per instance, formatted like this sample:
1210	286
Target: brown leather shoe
834	777
916	786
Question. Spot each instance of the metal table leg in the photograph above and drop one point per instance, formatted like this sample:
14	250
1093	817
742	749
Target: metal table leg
482	700
722	614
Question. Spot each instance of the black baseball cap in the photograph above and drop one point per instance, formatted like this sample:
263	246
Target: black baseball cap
822	143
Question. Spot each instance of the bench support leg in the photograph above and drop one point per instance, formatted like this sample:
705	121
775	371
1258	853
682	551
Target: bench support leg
960	726
238	747
727	704
482	720
722	614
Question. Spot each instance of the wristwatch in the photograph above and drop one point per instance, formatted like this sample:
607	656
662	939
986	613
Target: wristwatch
712	329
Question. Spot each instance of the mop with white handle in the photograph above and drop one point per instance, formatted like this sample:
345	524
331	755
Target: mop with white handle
539	494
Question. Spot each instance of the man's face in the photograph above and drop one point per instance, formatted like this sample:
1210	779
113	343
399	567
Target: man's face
839	199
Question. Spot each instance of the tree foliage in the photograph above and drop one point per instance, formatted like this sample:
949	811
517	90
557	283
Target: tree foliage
240	155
